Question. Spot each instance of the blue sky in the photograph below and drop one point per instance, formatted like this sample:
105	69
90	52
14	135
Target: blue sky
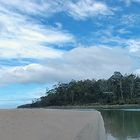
43	42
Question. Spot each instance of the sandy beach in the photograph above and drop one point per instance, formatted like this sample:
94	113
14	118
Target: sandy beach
44	124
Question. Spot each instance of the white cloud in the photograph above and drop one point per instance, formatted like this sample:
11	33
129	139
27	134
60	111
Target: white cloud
24	38
130	19
50	36
28	7
12	49
79	63
58	25
21	74
88	8
123	31
134	45
137	71
129	2
79	9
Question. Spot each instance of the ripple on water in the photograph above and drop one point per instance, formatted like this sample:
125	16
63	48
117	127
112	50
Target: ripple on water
131	110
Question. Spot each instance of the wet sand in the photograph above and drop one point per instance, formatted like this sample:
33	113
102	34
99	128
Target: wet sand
44	124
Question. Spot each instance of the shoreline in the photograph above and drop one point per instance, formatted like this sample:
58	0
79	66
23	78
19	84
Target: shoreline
97	107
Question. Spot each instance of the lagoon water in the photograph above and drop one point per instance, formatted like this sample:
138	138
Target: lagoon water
122	124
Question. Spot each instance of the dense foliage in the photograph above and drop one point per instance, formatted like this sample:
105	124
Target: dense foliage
118	89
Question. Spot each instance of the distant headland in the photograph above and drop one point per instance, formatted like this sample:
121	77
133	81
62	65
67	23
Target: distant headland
118	89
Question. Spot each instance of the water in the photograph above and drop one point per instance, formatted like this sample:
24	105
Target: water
122	124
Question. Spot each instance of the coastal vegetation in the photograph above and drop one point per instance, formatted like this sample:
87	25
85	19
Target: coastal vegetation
118	89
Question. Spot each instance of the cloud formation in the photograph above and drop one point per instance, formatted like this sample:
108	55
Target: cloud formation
129	2
22	37
80	9
27	33
79	63
88	8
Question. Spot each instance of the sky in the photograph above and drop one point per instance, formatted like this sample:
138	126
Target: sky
43	42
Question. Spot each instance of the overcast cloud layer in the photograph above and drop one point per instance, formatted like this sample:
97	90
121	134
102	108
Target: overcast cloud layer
43	42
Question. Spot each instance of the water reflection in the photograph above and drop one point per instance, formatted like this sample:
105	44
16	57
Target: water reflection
122	124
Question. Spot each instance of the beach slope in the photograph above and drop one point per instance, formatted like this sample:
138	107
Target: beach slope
44	124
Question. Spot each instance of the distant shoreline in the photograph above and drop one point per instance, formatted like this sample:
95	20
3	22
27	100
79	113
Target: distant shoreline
117	91
98	107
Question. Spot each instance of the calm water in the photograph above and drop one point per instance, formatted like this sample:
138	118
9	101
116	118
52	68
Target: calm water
122	124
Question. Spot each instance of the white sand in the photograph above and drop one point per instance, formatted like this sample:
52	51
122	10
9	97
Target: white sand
42	124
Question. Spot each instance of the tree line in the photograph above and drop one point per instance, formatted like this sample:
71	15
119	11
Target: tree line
118	89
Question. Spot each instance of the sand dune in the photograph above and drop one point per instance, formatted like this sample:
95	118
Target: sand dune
42	124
